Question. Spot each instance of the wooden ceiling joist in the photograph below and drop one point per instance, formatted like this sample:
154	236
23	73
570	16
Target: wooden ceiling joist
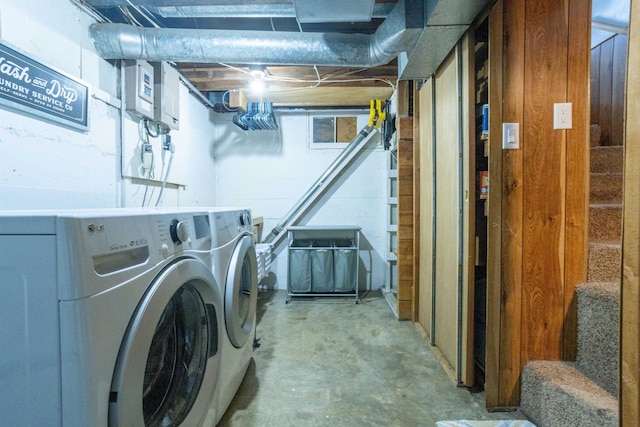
316	97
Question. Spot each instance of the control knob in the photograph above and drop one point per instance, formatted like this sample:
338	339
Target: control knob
245	219
178	231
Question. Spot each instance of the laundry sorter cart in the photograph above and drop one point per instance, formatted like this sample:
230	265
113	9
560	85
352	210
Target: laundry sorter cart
323	261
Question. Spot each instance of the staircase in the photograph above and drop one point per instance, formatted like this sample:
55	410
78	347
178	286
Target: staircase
584	392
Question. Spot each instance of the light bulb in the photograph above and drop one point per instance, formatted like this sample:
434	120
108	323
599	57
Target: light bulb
257	86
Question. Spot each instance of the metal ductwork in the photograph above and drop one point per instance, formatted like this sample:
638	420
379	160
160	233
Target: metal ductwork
398	33
278	10
446	22
304	11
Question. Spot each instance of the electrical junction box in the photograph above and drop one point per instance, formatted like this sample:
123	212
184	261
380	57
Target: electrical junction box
166	104
139	89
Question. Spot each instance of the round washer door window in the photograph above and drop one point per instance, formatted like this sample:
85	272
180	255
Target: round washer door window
241	295
177	359
168	364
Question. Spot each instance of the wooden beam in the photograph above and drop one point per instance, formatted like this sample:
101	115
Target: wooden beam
415	298
494	219
513	66
316	97
405	214
213	77
224	85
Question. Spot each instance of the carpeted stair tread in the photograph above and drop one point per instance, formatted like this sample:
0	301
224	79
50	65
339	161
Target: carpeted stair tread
605	188
558	394
598	330
605	222
607	159
595	133
604	261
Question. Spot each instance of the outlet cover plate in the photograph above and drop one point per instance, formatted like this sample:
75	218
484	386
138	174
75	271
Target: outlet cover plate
562	115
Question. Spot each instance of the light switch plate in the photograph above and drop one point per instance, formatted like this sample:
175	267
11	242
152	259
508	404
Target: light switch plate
511	136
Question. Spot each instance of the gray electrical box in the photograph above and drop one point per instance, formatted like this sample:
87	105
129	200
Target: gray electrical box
167	95
139	88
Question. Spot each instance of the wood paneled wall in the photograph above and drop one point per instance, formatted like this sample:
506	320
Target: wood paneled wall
541	226
406	255
608	69
630	316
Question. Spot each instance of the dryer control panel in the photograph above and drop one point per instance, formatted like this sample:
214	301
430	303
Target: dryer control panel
244	221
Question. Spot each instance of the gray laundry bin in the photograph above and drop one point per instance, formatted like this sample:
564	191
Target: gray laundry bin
323	261
299	270
322	270
345	267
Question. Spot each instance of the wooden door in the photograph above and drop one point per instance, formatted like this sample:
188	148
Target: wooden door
447	179
444	176
425	293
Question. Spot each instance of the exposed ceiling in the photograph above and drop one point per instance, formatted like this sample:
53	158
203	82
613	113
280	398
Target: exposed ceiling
353	17
307	52
345	51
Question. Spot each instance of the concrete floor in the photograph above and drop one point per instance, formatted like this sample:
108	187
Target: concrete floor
330	362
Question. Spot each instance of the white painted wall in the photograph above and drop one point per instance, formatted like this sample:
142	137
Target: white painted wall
269	171
48	166
45	165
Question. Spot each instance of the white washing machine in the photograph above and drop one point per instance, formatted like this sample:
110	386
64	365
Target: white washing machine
109	318
233	257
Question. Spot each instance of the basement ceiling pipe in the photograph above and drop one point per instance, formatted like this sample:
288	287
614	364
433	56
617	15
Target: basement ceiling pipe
398	33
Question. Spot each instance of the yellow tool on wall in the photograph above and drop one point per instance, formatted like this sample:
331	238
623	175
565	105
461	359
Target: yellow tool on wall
376	113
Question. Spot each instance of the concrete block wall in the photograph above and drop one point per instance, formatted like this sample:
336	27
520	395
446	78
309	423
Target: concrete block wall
269	172
48	166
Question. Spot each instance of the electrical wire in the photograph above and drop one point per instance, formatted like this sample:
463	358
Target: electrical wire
91	11
314	67
316	83
158	130
226	94
144	139
126	13
143	12
164	180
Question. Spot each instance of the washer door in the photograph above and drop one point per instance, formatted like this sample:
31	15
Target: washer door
168	363
241	292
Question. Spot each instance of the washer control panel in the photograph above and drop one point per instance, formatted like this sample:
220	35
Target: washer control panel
112	244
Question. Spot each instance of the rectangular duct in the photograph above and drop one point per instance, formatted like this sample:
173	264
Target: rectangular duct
312	11
446	22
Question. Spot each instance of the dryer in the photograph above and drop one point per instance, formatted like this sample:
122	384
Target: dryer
115	318
233	257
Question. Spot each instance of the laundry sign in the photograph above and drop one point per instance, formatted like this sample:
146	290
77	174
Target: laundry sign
30	87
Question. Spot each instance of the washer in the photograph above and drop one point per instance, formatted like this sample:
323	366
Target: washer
115	318
233	257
